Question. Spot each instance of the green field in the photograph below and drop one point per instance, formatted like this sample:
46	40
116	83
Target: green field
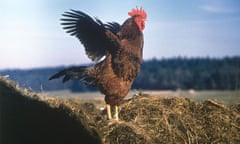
226	97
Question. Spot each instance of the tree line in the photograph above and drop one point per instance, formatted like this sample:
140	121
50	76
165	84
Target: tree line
155	74
190	73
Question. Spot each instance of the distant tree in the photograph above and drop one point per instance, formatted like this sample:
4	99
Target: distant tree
172	73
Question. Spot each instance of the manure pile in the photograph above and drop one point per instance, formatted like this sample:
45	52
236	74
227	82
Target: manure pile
27	117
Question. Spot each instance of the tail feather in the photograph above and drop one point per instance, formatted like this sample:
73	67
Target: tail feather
58	74
79	73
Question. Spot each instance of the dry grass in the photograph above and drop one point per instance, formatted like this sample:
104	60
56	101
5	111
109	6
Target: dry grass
167	119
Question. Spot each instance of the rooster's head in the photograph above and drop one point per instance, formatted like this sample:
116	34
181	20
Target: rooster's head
139	16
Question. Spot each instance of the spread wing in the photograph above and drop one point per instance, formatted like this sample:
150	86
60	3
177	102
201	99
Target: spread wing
92	33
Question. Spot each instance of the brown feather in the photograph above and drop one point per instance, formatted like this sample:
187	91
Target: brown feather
122	47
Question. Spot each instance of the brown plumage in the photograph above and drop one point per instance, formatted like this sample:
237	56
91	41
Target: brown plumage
120	45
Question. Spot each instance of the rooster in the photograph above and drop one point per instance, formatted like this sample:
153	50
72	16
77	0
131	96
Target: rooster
116	49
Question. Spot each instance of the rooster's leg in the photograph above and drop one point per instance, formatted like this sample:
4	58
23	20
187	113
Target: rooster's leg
116	113
109	115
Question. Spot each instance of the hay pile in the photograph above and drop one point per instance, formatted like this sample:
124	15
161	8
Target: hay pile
28	118
171	120
148	119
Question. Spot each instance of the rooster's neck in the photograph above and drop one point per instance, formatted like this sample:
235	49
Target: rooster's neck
129	30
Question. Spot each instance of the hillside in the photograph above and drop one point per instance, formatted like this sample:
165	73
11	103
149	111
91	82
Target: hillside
28	118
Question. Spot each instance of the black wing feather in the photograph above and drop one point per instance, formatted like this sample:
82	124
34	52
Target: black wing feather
91	32
113	27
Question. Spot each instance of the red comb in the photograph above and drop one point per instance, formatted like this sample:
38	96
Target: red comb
137	11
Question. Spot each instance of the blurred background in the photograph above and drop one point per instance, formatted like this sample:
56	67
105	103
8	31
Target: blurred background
188	44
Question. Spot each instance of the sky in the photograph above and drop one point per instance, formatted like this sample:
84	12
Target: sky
31	35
